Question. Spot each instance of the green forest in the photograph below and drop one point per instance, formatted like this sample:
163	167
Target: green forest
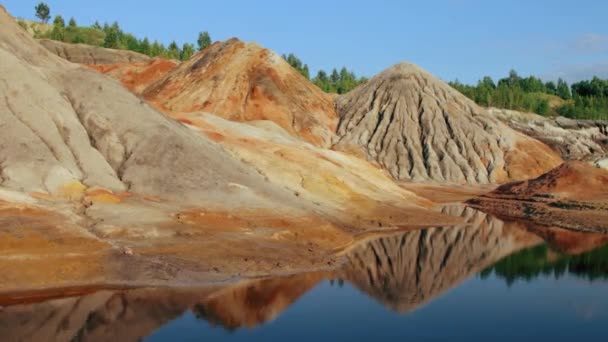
582	100
113	37
339	82
537	261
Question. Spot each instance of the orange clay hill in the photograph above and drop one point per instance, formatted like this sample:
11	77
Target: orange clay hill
98	187
245	82
136	76
572	195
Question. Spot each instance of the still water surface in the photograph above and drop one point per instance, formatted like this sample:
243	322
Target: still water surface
487	280
550	305
544	309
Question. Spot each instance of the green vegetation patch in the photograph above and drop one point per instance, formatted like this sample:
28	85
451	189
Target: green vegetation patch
583	100
534	262
113	37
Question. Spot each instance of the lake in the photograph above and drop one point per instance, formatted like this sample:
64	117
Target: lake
487	280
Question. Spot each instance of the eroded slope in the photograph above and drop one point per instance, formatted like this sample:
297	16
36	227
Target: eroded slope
92	55
573	195
245	82
90	167
418	128
572	139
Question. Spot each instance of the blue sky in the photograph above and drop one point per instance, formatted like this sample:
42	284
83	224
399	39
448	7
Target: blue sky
463	39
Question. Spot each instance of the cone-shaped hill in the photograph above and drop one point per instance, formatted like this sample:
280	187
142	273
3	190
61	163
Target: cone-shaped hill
245	82
419	128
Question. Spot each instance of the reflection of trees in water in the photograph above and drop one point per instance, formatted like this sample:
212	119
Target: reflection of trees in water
534	262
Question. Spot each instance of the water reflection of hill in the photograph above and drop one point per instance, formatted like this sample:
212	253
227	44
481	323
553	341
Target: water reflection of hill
256	303
102	316
130	315
402	271
405	271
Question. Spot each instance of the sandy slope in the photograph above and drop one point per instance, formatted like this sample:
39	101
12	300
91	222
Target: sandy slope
92	55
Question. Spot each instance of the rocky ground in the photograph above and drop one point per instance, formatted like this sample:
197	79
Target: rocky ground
573	139
572	195
232	165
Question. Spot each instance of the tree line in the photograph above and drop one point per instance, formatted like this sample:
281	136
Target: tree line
584	99
590	100
339	82
113	37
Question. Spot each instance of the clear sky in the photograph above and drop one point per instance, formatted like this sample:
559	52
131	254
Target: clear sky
463	39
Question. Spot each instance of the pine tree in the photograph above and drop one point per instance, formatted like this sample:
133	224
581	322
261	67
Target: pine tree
187	51
322	81
59	22
335	77
173	51
58	31
156	49
204	40
297	64
305	72
111	38
513	77
551	88
43	12
129	42
563	90
145	47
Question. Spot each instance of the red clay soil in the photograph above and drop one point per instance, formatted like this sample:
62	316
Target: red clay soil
574	195
138	75
573	181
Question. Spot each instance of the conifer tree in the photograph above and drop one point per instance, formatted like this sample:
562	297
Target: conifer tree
43	12
204	40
